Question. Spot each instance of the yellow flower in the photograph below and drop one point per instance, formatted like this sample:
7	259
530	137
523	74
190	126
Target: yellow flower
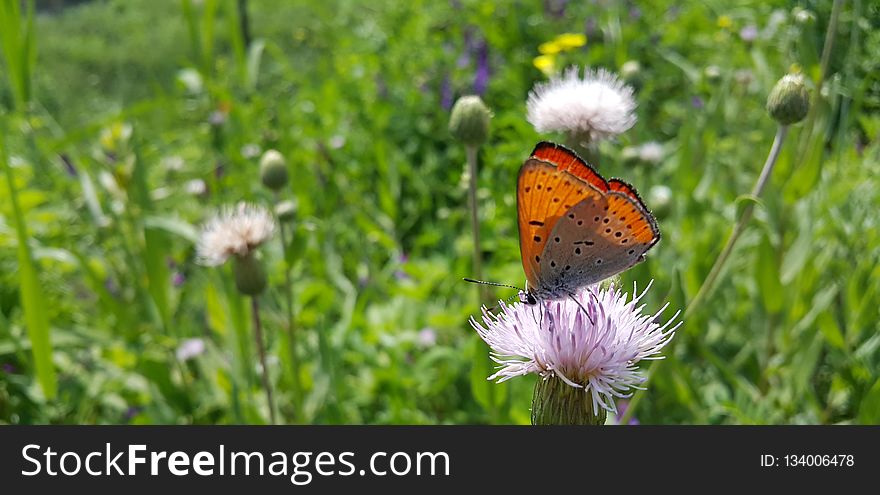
567	41
725	22
545	63
549	48
115	136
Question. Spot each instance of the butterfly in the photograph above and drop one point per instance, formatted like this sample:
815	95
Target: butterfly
575	227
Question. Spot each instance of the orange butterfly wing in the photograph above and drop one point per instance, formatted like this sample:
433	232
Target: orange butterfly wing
550	182
567	160
630	211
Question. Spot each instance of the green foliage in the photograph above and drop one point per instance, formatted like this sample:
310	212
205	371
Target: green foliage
161	112
17	44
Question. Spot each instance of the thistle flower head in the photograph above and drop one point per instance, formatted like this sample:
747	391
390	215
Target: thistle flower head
273	170
660	199
651	152
189	349
469	120
234	231
789	101
597	106
592	341
286	210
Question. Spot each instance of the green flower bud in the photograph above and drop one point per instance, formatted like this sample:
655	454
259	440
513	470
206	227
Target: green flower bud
712	73
469	121
250	278
273	170
789	101
286	210
803	16
558	403
630	70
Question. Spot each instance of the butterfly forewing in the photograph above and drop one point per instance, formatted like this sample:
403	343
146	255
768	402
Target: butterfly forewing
567	161
544	194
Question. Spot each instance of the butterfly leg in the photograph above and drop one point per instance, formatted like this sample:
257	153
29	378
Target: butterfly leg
587	313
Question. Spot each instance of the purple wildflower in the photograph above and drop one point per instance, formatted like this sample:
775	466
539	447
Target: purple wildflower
621	410
446	96
593	343
481	78
190	348
749	33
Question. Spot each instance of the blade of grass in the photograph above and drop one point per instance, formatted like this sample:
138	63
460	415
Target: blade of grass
33	300
156	241
16	44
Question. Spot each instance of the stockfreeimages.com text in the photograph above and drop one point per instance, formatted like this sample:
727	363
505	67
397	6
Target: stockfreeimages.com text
300	467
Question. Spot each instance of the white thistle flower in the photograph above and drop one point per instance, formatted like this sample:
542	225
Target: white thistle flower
196	187
234	231
651	152
597	106
597	350
190	348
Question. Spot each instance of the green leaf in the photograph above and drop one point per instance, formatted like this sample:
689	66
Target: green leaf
767	275
829	328
255	55
488	394
480	371
156	245
797	255
689	69
33	300
807	175
175	226
869	410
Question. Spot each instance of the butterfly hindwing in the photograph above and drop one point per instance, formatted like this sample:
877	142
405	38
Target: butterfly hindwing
582	251
627	208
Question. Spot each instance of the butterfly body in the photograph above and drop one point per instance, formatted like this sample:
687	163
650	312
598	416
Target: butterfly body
576	228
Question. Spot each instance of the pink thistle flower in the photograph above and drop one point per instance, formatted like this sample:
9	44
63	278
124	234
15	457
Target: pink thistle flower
594	344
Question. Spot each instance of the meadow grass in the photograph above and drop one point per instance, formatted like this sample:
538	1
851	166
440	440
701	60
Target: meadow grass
114	114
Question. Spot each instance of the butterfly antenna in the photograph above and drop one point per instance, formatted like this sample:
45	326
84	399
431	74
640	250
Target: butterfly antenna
496	284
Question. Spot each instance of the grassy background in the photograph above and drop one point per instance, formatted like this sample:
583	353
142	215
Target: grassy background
98	284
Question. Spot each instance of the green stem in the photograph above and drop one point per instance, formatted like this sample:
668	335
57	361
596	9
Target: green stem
830	33
825	61
258	334
581	144
471	152
712	278
482	292
291	324
244	23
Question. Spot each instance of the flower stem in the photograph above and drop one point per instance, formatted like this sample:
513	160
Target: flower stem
291	323
258	334
482	292
471	152
712	278
585	147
